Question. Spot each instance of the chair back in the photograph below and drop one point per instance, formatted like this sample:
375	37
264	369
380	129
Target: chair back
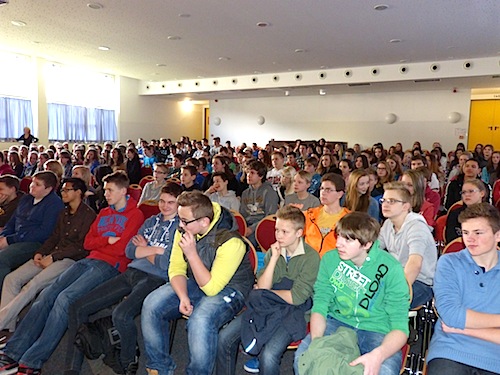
149	208
145	180
252	254
265	232
455	205
496	192
439	228
135	191
24	185
454	246
146	171
240	220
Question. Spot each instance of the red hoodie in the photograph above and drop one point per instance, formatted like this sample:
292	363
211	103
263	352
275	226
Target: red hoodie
112	223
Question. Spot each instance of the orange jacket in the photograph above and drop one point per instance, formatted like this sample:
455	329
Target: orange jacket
313	235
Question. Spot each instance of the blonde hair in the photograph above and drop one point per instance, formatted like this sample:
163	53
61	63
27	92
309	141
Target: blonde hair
353	200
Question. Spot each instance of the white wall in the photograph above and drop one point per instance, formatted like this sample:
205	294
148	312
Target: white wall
354	118
154	117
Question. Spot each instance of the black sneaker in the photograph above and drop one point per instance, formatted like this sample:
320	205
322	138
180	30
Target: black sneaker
132	368
23	370
7	365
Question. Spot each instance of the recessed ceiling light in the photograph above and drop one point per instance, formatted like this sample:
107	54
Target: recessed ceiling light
322	92
173	37
224	58
403	61
323	67
103	48
257	72
5	2
300	50
380	7
262	24
95	6
184	15
161	65
201	76
395	41
18	23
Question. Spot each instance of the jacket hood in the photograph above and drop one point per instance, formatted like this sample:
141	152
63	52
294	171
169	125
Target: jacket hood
131	204
223	219
413	216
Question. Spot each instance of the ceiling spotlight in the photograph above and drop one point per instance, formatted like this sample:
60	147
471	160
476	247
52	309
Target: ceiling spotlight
184	15
3	2
262	24
95	6
173	37
300	50
103	48
322	92
161	65
287	93
18	23
380	7
224	58
395	41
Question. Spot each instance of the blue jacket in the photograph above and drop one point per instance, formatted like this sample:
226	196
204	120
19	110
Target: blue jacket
460	284
33	222
157	232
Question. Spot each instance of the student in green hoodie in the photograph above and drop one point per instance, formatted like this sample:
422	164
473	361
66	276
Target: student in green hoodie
361	287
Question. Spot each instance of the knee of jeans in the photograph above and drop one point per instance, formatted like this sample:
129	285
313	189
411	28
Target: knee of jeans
63	303
121	318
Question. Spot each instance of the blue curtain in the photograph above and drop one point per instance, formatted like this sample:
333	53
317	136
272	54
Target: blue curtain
73	123
15	114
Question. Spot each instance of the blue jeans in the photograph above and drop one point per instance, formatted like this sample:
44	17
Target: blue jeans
422	294
209	315
16	255
442	366
133	283
367	341
43	327
269	357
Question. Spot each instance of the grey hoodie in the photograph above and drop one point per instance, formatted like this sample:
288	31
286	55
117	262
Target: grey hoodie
414	237
258	203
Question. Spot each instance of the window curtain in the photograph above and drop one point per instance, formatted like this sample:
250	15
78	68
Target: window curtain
15	114
74	123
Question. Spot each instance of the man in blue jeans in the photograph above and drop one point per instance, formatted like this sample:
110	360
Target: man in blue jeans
150	253
31	224
210	275
43	327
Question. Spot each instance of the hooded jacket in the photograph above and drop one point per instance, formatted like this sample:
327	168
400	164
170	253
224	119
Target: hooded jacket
112	223
374	297
414	237
157	232
258	203
223	253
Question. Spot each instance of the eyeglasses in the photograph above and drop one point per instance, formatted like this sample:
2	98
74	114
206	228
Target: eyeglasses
382	168
66	190
159	172
390	201
327	190
463	192
187	222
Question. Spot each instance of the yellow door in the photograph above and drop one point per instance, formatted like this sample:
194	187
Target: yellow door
484	123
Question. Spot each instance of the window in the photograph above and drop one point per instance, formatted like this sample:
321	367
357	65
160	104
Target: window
17	83
81	105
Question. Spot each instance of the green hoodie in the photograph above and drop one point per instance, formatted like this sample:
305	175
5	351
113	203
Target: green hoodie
373	297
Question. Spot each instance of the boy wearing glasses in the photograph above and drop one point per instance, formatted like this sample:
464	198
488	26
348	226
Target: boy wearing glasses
408	238
210	276
319	232
361	287
466	339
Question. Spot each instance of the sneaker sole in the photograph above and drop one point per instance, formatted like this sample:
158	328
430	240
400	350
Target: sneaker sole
11	371
251	370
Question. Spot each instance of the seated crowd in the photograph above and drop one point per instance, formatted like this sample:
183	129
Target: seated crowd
358	242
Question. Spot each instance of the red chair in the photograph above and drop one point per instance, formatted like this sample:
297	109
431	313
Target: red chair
265	232
135	191
242	224
252	255
455	205
149	208
454	246
439	229
146	171
496	192
145	180
25	184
